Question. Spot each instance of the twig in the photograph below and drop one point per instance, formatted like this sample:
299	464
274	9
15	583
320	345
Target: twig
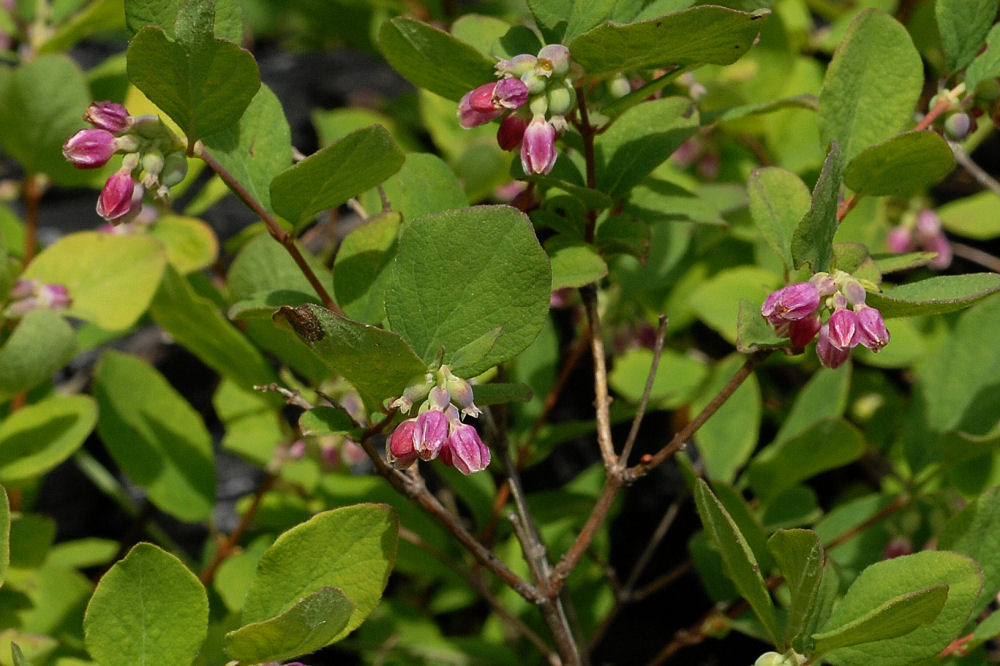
602	400
661	332
279	234
228	547
32	197
976	171
476	583
291	397
680	439
984	259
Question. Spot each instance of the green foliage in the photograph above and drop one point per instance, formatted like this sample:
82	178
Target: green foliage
35	439
148	608
963	27
905	164
41	344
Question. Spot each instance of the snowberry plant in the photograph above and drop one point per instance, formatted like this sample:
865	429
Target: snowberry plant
593	261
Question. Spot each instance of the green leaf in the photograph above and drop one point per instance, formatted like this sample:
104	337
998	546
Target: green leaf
829	444
677	376
425	184
812	240
431	58
362	267
155	436
110	278
872	85
963	25
228	19
753	333
584	15
352	548
802	101
309	625
987	64
550	17
492	272
896	617
263	265
799	556
975	531
737	556
976	216
379	363
325	421
726	441
717	300
778	201
36	438
252	421
497	394
640	140
196	323
98	16
481	31
903	165
574	264
256	149
204	84
189	242
883	583
41	104
936	295
332	175
40	345
4	534
712	35
148	609
890	263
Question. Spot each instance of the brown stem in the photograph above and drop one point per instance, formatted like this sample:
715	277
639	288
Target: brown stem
587	132
273	228
640	412
515	623
228	547
612	484
32	196
602	400
984	259
680	439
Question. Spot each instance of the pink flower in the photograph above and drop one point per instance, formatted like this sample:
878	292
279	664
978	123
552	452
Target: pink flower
510	94
465	451
511	131
802	331
791	303
871	326
844	330
108	116
477	107
116	202
90	148
402	453
538	148
829	355
431	434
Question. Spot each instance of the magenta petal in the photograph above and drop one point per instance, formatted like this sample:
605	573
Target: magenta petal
89	148
115	201
467	452
538	149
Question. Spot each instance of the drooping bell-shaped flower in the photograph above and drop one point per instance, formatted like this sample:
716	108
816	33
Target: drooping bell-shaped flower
844	331
109	116
538	148
476	106
791	303
431	434
802	331
829	355
90	148
115	201
871	327
401	451
511	131
510	93
466	452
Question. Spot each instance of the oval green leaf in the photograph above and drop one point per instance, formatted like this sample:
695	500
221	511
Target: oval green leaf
40	345
110	278
36	438
352	549
936	295
778	201
148	609
905	164
155	436
492	273
309	625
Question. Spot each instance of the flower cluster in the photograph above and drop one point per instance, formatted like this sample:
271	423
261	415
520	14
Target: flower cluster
923	232
533	95
796	311
438	431
28	295
153	159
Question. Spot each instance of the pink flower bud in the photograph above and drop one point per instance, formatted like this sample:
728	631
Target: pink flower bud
431	434
108	116
791	303
928	224
844	330
802	331
854	292
54	296
554	58
830	356
476	107
510	94
939	244
439	398
466	451
538	149
872	330
511	131
90	148
517	66
116	202
402	453
900	240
